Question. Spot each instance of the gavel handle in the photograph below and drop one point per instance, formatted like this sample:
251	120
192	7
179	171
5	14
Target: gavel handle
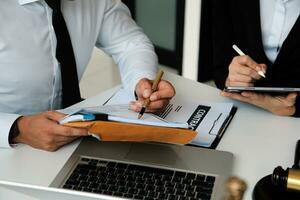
297	156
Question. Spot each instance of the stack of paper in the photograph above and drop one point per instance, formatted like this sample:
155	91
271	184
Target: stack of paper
208	119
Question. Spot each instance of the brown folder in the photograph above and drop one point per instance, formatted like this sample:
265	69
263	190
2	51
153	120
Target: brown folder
119	131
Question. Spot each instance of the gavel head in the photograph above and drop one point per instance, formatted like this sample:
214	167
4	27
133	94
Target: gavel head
288	179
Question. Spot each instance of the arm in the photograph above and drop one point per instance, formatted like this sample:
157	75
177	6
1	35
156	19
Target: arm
130	48
134	53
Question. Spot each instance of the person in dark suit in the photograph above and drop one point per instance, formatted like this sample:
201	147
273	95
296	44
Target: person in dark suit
268	31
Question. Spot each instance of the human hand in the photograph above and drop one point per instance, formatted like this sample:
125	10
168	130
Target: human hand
42	131
243	71
279	105
158	99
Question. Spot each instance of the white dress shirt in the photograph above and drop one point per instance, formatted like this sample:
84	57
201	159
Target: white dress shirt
30	80
277	19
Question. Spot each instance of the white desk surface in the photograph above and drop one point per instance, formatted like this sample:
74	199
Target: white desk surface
259	141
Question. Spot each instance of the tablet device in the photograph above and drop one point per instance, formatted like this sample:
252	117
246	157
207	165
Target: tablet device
280	90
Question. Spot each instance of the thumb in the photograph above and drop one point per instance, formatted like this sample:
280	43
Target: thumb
289	100
291	97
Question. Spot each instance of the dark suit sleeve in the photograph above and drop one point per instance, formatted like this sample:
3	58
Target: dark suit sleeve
297	113
222	36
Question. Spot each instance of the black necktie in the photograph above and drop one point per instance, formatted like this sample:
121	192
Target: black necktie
65	56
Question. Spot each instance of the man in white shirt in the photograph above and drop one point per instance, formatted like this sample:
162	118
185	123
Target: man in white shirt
30	78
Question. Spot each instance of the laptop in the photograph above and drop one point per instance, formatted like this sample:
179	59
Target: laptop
145	171
29	192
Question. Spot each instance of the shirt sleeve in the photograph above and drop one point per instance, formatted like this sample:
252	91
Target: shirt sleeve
6	121
130	48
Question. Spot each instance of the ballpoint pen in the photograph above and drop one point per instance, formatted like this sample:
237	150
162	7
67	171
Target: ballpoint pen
153	89
241	53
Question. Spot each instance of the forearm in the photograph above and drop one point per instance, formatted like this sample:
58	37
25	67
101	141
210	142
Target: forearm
130	48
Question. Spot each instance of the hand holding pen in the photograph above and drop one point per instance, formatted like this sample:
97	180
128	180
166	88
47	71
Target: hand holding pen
157	99
153	89
259	70
244	71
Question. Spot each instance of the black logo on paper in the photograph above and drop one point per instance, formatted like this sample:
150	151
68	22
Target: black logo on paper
198	116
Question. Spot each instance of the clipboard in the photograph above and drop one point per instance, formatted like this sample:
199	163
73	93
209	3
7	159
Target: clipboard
222	130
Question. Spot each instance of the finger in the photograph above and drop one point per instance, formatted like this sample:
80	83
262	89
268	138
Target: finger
135	106
165	91
143	88
55	116
251	95
154	106
163	84
157	105
263	68
241	84
249	62
235	96
240	78
70	132
289	100
236	68
246	71
64	139
267	101
258	99
292	97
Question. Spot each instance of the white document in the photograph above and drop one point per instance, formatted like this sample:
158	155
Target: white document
119	113
208	119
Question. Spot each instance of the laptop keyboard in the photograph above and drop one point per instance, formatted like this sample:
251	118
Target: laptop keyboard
138	182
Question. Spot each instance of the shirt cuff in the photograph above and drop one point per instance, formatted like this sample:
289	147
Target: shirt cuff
5	123
131	85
